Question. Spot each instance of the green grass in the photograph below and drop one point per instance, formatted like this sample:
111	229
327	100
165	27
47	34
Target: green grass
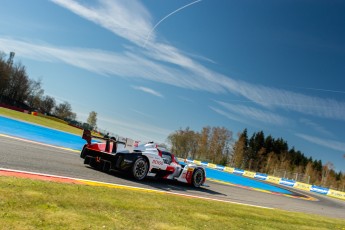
33	204
40	121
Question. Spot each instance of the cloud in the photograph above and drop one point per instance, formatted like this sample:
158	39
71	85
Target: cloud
228	115
316	127
331	144
116	16
148	90
254	114
162	62
113	14
135	129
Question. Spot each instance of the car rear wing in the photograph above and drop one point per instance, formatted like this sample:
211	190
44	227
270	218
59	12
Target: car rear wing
88	137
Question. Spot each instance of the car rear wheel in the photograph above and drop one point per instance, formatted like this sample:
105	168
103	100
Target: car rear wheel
140	168
198	177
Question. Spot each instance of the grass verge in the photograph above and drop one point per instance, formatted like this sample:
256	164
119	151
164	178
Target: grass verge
33	204
40	121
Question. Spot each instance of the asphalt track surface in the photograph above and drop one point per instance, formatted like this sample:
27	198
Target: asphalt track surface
19	155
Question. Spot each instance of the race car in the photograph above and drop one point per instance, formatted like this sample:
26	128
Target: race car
145	160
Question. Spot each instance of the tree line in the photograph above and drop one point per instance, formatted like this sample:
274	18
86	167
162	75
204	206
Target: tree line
258	153
18	90
210	144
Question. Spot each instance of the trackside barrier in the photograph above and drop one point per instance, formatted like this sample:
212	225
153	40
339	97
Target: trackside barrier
302	186
238	171
336	194
287	182
260	176
272	179
318	189
249	174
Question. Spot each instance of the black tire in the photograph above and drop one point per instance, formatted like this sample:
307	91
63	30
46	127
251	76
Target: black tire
140	168
106	166
83	152
93	163
198	177
87	160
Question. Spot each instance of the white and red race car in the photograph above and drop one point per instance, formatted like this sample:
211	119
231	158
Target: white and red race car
145	160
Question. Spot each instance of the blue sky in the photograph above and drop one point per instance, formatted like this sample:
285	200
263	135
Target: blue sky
151	67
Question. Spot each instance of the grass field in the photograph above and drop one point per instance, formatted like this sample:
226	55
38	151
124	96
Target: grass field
40	121
33	204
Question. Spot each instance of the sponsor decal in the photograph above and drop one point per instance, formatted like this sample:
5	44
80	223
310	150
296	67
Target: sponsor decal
337	194
228	169
302	186
273	179
249	174
210	165
157	162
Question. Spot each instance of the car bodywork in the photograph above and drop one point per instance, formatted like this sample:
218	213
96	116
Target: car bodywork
146	160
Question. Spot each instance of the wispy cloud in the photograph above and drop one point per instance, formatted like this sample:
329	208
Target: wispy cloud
113	14
116	16
135	129
162	62
228	115
331	144
142	114
148	90
251	113
320	129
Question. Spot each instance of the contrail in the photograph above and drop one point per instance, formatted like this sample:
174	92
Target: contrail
174	12
324	90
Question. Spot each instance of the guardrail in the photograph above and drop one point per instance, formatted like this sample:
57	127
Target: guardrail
272	179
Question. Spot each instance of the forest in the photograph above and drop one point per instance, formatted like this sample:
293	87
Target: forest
259	153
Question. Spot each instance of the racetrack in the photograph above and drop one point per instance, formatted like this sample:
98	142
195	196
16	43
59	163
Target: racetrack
37	158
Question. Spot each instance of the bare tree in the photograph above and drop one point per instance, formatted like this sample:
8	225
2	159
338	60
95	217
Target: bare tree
35	94
4	74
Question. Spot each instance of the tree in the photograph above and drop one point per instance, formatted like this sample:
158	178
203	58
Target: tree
18	85
219	142
92	119
47	104
4	74
240	150
35	94
183	142
203	145
64	111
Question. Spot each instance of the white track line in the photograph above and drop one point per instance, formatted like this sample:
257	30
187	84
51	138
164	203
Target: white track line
38	143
